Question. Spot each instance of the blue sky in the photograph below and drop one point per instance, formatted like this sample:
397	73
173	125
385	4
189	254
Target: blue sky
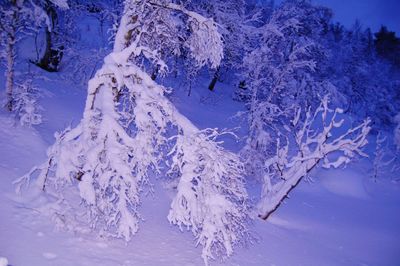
371	13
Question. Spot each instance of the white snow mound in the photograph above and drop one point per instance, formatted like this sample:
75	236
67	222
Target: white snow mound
344	182
3	261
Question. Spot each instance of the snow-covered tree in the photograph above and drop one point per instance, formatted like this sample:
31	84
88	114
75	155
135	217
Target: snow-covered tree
230	17
104	15
397	132
314	145
283	79
385	156
9	25
396	157
26	107
127	123
16	18
281	75
360	75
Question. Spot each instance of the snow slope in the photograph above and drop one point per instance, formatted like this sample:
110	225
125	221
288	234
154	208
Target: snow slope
341	218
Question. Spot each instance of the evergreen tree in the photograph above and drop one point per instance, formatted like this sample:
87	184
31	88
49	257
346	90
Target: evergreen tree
388	45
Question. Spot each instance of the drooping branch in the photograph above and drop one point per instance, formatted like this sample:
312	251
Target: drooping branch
107	158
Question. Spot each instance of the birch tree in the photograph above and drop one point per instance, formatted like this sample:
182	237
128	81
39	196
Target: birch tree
312	146
108	157
280	76
9	25
283	80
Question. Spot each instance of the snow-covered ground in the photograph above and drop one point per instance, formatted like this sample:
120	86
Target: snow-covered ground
342	217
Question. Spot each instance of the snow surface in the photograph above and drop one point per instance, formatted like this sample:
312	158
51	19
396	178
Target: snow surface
3	261
343	217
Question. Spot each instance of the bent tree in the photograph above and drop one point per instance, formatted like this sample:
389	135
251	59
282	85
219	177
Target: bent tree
126	127
314	145
283	79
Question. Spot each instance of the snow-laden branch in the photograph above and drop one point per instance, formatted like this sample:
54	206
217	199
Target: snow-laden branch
211	200
204	42
282	75
314	145
107	158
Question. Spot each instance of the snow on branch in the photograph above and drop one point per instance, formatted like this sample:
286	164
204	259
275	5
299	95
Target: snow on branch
63	4
107	158
211	199
203	41
314	144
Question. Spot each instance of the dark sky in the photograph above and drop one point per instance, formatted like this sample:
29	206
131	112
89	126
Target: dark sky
371	13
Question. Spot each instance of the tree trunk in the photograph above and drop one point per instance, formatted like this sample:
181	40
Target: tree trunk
51	58
274	200
10	52
44	62
214	80
155	72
